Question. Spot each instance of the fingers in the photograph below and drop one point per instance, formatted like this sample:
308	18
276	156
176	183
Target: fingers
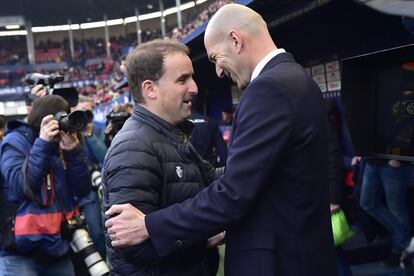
108	128
126	225
116	209
38	90
49	128
119	243
216	240
68	137
113	211
46	120
68	141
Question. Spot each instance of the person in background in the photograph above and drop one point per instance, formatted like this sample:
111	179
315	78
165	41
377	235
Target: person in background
95	150
208	140
336	180
384	197
44	170
227	116
115	120
273	199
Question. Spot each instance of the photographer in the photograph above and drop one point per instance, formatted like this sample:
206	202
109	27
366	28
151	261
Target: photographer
95	150
44	170
115	120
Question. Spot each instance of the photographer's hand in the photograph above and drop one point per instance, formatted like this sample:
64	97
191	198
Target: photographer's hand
49	128
38	90
68	141
108	128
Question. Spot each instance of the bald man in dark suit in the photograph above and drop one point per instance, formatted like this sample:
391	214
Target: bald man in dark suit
273	200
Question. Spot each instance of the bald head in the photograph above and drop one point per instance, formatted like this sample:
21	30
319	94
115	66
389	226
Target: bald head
236	40
234	17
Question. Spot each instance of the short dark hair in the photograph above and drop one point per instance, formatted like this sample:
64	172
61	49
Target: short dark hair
44	106
146	62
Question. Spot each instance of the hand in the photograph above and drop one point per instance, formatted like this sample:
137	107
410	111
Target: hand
68	141
216	240
126	227
38	90
355	160
108	128
49	128
394	164
334	207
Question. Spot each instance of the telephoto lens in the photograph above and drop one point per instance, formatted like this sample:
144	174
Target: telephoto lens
72	122
96	180
82	244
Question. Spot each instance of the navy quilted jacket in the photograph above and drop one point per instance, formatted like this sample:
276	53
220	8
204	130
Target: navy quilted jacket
151	165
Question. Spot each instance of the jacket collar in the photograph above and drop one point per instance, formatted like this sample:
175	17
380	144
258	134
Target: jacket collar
179	133
264	61
280	58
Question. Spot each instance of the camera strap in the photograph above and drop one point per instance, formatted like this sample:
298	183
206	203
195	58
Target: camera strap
49	187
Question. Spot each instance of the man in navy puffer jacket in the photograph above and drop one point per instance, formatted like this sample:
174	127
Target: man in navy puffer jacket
151	163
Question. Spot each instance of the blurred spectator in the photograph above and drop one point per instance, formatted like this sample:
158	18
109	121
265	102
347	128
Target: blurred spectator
336	180
383	196
227	116
95	150
208	140
115	120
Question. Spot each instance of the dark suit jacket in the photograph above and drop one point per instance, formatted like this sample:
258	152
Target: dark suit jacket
273	198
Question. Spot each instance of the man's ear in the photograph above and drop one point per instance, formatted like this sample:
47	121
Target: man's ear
148	89
236	40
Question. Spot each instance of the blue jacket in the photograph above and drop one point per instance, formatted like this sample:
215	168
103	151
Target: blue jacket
69	177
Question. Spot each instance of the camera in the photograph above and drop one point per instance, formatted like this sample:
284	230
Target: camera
81	243
408	108
403	109
117	119
70	94
73	122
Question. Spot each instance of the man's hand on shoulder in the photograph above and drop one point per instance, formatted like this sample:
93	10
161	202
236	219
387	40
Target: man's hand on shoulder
126	225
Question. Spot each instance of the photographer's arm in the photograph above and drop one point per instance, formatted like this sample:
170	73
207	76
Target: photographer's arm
15	150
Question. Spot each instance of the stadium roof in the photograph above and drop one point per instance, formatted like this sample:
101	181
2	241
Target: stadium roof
57	12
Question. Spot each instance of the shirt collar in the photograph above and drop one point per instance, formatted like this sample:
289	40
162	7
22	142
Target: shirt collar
264	61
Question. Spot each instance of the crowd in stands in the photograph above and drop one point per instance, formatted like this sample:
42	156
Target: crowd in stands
198	21
96	79
13	49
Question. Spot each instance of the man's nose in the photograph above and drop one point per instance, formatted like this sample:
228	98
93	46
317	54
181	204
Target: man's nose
219	71
193	87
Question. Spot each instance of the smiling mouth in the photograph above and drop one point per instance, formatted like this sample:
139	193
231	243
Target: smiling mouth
187	101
